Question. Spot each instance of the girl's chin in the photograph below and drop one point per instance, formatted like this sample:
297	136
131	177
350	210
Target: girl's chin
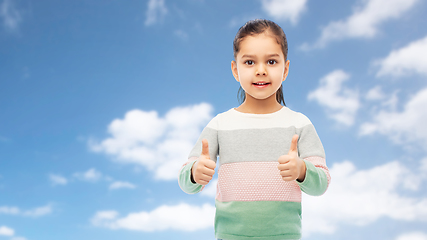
261	97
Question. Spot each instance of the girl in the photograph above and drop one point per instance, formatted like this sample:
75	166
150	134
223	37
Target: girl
267	153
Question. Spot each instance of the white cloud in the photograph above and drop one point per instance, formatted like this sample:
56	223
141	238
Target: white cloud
289	10
382	100
340	102
404	127
375	93
364	22
404	61
6	231
9	232
413	236
91	175
102	216
36	212
160	144
181	217
156	10
120	184
361	197
18	238
9	210
11	17
57	179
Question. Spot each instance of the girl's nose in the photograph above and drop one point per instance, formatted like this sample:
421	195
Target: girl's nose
261	70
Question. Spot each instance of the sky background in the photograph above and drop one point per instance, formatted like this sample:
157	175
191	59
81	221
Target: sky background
101	101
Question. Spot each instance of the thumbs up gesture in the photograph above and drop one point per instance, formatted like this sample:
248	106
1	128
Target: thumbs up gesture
204	168
291	166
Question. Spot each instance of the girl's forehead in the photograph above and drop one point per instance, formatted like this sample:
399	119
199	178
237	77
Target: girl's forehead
263	43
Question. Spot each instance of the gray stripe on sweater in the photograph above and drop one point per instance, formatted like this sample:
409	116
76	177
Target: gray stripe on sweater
258	145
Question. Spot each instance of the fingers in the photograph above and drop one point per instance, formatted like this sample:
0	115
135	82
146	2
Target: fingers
208	172
288	165
287	172
284	159
205	148
203	170
288	178
203	179
210	164
203	176
294	144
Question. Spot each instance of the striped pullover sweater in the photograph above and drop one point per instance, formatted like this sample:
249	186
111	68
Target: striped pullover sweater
252	200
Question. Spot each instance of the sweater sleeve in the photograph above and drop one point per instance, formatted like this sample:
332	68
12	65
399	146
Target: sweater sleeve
184	177
316	178
311	150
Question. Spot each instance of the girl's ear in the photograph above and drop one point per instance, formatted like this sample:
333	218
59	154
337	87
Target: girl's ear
285	73
234	70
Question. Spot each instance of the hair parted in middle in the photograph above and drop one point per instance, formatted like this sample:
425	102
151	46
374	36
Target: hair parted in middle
255	27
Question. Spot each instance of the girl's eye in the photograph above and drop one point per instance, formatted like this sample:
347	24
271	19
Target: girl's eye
272	62
249	62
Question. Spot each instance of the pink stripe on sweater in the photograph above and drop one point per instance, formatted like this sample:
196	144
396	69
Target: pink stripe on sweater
254	181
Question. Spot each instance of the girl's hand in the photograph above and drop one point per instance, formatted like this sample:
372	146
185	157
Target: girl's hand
291	166
204	168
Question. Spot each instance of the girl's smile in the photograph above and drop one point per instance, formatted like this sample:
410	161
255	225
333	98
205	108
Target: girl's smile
261	84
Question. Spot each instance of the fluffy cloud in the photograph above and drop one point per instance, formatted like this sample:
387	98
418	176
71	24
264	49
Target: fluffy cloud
91	175
18	238
376	93
57	179
11	17
156	10
290	10
121	184
340	102
413	236
160	144
182	217
36	212
404	61
361	197
9	210
6	231
9	232
403	127
364	21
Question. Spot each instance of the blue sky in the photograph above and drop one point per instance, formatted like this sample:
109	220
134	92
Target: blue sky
101	101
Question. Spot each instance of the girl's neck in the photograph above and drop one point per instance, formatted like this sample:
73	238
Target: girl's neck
257	106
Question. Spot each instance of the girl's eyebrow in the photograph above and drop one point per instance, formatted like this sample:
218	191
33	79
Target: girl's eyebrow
253	56
248	56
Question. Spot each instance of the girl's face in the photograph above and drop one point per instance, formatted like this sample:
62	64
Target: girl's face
260	66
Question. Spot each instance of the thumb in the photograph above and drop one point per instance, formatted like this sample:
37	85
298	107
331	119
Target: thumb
294	144
205	148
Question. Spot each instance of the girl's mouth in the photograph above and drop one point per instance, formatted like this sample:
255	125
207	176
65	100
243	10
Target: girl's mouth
261	84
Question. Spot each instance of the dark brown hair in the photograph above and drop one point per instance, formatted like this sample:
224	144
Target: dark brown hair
255	27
